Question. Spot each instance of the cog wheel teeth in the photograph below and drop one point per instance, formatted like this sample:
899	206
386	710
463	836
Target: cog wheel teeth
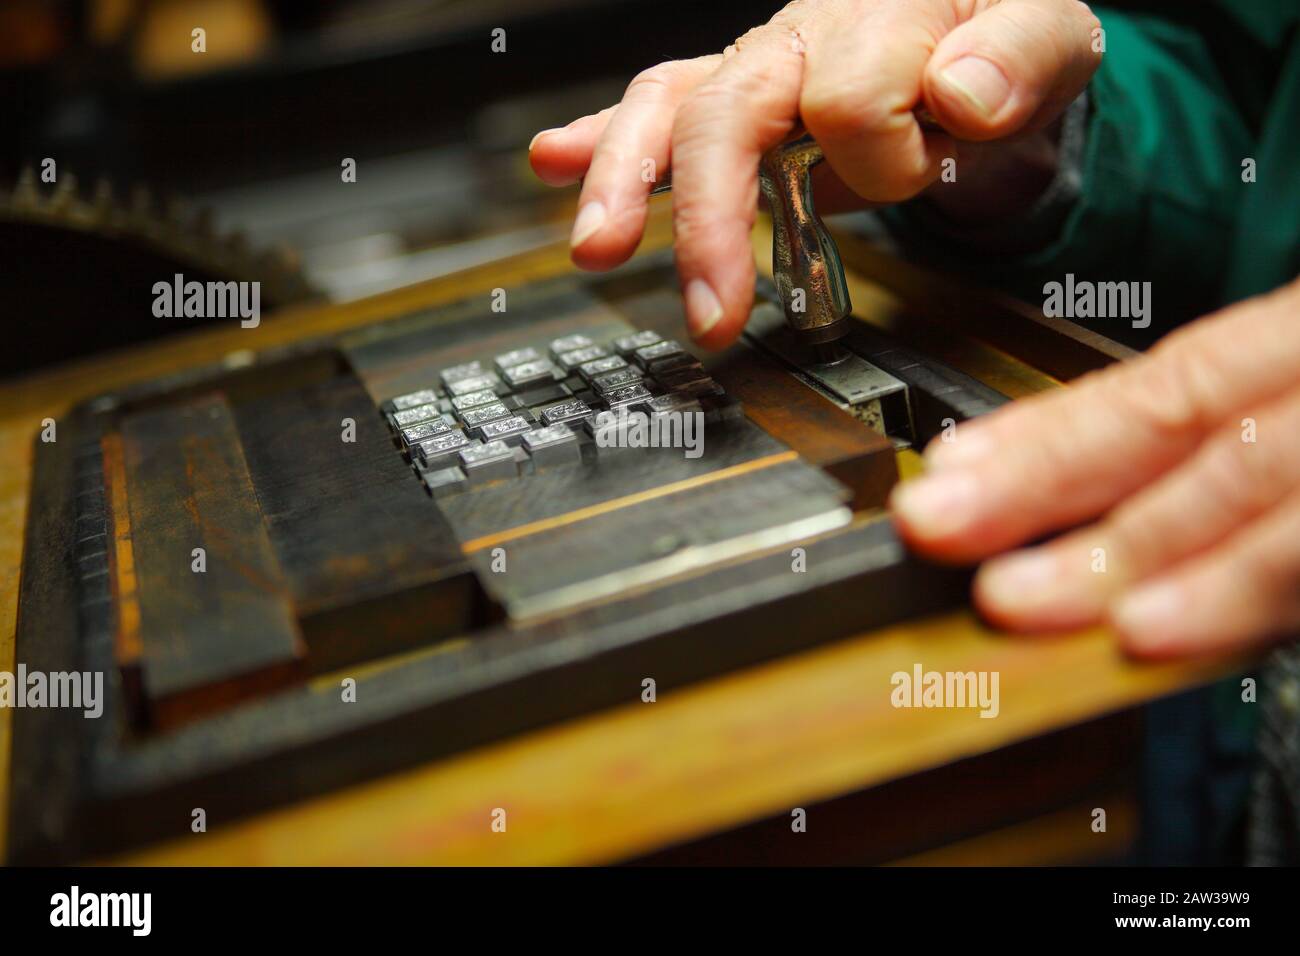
172	226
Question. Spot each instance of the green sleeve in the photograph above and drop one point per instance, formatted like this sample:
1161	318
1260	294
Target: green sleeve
1177	103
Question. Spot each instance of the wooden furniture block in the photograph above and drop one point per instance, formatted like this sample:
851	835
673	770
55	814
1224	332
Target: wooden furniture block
204	615
372	568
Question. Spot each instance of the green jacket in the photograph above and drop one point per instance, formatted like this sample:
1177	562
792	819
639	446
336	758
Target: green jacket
1186	94
1182	101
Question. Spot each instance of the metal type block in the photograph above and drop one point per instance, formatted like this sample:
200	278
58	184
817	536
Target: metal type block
432	452
568	343
571	360
552	445
476	383
664	404
474	417
589	370
413	416
509	430
444	481
627	397
619	378
410	400
415	434
516	357
569	411
482	397
663	355
531	373
628	344
492	461
458	373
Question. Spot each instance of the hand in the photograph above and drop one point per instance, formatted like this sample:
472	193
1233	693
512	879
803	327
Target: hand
1183	467
852	71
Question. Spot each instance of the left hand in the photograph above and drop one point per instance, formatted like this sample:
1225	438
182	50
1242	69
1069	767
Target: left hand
1179	473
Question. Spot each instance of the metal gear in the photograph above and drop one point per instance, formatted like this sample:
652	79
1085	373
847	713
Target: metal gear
82	267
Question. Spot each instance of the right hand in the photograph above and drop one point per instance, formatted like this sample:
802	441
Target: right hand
853	72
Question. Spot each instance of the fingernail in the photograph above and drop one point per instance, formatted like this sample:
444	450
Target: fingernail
1042	588
1023	579
533	142
938	505
980	81
590	218
968	443
703	308
1148	615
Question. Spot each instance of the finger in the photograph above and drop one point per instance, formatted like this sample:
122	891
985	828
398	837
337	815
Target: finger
631	154
748	106
560	156
832	195
861	84
1243	593
1243	471
1013	66
1055	460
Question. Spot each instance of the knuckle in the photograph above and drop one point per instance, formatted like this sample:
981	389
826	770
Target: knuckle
1233	479
698	225
706	102
750	37
691	220
867	143
651	84
835	112
775	31
604	115
662	80
705	115
1250	475
609	160
789	15
1133	543
1173	394
1049	459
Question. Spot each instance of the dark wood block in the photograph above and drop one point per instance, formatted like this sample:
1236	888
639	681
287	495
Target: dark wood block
372	567
194	641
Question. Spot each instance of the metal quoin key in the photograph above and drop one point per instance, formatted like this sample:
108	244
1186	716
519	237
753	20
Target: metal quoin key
804	256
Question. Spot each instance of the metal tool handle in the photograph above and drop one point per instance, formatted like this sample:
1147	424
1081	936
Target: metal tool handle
805	260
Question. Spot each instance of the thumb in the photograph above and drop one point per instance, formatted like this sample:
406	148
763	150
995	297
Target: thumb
1013	67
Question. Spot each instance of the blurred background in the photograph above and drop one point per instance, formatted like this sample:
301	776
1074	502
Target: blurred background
226	163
